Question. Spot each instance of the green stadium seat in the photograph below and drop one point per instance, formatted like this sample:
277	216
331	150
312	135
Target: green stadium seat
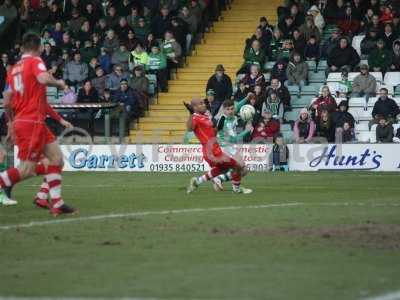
287	136
292	115
316	77
301	102
310	90
286	127
322	65
397	91
269	65
311	64
294	90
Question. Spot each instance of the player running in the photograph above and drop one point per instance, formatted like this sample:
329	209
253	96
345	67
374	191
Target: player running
26	106
200	123
228	136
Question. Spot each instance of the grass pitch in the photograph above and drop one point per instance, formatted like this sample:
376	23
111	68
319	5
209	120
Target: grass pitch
341	240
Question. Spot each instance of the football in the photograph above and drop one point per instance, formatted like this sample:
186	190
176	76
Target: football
247	112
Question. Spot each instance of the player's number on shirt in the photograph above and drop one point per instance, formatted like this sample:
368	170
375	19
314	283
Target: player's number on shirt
18	84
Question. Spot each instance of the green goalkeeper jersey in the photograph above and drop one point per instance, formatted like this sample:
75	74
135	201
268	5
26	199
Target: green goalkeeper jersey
228	133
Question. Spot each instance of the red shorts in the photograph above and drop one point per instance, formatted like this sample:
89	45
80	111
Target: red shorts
222	161
31	138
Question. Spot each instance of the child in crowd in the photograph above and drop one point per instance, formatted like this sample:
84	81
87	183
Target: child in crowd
348	134
279	157
312	50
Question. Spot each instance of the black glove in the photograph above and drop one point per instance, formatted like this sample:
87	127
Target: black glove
221	123
188	107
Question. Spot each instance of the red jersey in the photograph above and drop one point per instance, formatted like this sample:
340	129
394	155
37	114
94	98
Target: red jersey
29	101
205	132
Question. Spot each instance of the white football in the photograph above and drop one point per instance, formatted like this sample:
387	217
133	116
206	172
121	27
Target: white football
247	112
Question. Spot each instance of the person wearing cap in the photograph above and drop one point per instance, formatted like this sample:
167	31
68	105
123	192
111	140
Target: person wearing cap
343	55
138	81
364	84
380	59
75	71
221	84
157	65
368	43
128	98
317	17
304	128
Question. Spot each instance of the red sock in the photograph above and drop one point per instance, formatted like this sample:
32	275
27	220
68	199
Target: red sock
9	177
236	177
44	190
54	178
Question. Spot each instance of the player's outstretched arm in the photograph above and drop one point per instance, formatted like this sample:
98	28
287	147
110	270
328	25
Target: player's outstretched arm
47	79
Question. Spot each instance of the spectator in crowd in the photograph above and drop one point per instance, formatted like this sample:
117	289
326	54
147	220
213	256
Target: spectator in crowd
111	42
287	26
180	30
344	86
395	66
172	50
142	30
299	43
396	138
275	44
260	95
342	115
221	84
122	29
132	41
241	92
312	50
190	19
75	71
88	52
253	77
139	81
48	55
87	93
281	91
309	29
364	84
57	33
161	22
253	56
93	64
121	57
76	22
384	131
369	42
350	25
324	102
366	20
46	38
266	28
113	81
279	157
343	55
296	71
91	14
157	64
279	71
285	51
331	43
3	75
99	82
112	18
385	107
126	97
325	128
318	19
304	128
274	105
258	36
105	60
375	6
388	36
297	15
138	57
266	129
84	33
133	18
380	58
375	24
386	14
347	135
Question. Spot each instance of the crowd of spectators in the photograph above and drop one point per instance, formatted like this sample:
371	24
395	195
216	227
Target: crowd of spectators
298	39
104	49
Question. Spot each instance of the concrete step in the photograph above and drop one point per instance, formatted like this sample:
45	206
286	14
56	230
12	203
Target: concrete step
237	59
168	113
168	107
168	126
156	139
218	52
163	119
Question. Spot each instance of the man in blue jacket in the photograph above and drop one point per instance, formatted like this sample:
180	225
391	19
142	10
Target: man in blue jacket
127	98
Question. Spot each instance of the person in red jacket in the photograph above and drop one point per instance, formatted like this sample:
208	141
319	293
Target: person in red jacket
266	130
324	101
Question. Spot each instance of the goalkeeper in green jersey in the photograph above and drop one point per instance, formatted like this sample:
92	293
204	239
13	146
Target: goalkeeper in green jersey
228	135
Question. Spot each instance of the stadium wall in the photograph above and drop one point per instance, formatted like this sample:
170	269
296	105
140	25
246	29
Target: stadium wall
188	158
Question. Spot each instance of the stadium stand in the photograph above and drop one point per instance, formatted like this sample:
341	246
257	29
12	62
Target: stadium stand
194	37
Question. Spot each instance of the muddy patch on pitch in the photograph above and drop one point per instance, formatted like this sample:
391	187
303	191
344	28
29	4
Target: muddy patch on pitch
378	236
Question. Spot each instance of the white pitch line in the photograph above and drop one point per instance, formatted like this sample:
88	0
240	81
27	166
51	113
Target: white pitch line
142	214
389	296
92	298
187	210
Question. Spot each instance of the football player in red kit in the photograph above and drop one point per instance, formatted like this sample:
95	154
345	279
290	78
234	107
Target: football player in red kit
200	123
26	105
